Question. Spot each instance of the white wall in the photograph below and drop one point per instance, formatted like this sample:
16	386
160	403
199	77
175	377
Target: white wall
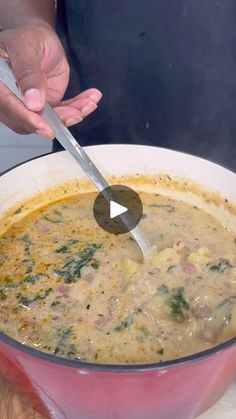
15	148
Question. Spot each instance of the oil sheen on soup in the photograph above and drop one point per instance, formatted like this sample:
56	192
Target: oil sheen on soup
69	288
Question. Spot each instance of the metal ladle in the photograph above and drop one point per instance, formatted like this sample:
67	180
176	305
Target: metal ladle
67	140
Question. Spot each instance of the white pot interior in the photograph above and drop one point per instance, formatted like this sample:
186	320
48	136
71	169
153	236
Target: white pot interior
50	171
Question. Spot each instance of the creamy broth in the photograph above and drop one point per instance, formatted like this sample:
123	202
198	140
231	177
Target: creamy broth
69	288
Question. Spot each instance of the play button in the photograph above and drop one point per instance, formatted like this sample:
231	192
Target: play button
117	209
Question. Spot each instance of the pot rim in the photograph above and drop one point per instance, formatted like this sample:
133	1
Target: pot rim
83	365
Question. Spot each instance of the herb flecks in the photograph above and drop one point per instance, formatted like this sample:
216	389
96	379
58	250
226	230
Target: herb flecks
3	296
71	270
25	301
222	266
55	217
66	248
95	264
55	303
163	289
29	265
172	269
167	207
227	301
18	211
178	305
27	242
28	279
62	346
224	308
127	321
143	334
32	279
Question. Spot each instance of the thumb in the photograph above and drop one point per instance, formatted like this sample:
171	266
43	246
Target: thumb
29	76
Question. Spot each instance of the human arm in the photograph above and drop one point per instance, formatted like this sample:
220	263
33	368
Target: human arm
30	43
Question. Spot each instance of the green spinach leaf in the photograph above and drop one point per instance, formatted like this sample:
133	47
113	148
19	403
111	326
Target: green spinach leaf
178	305
71	270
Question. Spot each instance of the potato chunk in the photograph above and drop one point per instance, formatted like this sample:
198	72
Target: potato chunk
130	266
201	257
165	258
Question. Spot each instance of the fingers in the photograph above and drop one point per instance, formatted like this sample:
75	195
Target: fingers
16	116
92	94
68	115
26	67
71	115
31	80
72	111
41	71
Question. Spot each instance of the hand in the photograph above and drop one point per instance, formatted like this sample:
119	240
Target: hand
42	73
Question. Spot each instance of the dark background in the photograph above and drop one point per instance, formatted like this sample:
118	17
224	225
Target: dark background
167	70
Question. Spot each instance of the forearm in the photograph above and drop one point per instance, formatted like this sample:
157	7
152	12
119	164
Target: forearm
15	13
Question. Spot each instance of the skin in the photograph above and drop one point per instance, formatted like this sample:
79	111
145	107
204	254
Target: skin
42	71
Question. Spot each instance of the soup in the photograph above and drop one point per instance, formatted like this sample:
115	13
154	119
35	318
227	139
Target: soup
69	288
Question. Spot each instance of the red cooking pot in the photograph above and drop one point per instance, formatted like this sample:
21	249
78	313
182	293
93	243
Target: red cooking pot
66	389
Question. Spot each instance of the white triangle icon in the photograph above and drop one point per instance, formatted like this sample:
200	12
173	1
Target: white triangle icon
116	209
